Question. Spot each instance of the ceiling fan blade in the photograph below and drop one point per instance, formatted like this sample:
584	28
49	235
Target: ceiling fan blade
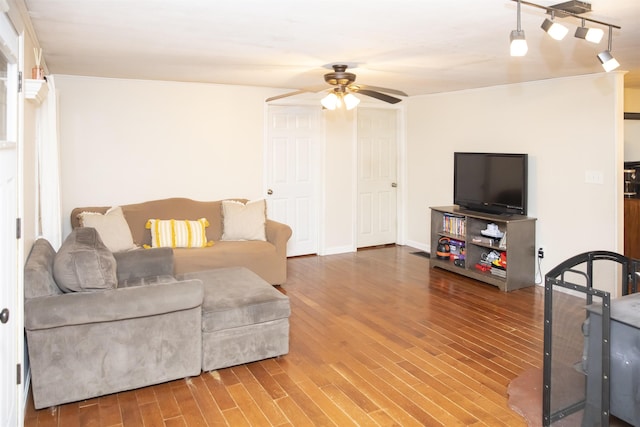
359	87
317	88
381	96
285	95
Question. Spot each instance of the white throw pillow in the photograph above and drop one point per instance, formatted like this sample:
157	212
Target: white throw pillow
112	228
244	221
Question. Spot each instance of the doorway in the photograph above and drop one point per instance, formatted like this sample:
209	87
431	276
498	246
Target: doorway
10	296
292	170
377	177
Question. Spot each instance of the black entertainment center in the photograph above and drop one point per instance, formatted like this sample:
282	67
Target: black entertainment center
487	235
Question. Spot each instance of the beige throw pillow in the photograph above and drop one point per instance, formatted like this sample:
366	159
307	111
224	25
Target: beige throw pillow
112	228
244	221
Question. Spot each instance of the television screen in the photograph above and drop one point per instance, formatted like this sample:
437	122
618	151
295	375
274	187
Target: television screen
491	182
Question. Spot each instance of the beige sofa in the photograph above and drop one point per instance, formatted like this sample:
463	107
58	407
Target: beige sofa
267	258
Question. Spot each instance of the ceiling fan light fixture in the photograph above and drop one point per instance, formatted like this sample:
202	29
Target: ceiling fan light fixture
555	30
350	101
330	102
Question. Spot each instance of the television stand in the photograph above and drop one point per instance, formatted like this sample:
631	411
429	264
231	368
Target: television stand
463	228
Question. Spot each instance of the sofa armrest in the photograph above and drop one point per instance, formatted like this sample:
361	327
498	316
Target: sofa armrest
111	305
278	234
140	263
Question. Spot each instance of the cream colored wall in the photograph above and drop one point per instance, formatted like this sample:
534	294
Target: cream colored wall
126	141
567	126
632	127
632	100
338	217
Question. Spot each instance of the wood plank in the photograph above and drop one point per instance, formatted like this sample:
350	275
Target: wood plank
109	411
210	410
151	414
131	415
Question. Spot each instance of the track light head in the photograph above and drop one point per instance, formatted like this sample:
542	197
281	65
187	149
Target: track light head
518	46
555	30
607	60
592	35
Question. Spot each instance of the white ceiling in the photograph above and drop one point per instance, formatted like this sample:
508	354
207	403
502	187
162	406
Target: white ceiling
418	46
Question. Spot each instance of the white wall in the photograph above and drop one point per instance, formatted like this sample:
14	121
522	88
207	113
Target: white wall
567	126
632	140
632	127
127	141
339	184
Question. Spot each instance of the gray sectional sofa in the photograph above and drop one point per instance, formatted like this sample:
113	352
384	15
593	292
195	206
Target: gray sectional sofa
99	322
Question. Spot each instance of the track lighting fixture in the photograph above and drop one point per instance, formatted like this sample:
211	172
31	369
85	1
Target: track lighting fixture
518	44
593	35
555	30
607	60
571	8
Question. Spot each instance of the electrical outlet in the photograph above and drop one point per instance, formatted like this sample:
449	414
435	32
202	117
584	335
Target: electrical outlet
541	253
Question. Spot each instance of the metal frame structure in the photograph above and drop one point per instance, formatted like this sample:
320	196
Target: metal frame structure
556	278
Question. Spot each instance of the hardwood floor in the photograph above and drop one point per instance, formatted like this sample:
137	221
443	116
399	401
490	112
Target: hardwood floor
377	338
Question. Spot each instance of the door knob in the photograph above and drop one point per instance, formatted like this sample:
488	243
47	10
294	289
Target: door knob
394	184
269	191
4	315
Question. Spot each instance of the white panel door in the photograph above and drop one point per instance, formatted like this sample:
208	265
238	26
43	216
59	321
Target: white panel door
10	326
292	155
377	177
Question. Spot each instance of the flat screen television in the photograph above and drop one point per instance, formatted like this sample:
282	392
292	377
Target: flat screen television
490	182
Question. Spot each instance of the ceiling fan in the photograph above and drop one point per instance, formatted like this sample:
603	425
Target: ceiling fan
344	89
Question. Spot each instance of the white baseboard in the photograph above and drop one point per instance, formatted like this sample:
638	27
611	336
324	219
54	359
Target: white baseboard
337	250
418	245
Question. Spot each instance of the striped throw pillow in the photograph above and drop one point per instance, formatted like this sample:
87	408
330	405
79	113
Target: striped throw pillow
172	233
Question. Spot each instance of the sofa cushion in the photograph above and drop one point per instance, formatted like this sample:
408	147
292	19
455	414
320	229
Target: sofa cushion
172	233
84	263
112	227
244	221
38	271
235	297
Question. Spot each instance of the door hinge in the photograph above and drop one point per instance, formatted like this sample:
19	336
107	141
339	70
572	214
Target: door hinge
18	228
18	374
19	81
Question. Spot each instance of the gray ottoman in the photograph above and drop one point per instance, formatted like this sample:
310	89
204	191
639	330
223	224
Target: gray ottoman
244	318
